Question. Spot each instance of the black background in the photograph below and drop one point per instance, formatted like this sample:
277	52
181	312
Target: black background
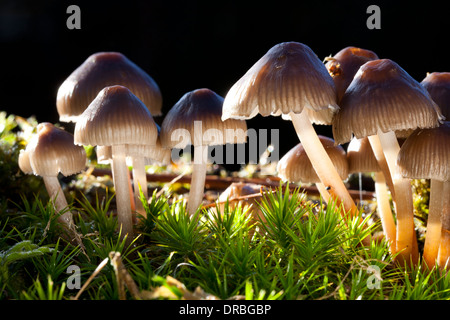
186	45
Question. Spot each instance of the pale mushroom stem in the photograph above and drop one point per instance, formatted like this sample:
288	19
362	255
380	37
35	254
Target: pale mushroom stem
120	172
384	210
434	225
405	247
444	249
197	179
323	192
321	161
140	181
56	194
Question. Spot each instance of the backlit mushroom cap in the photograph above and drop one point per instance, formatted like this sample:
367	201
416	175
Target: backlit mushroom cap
115	117
426	153
288	78
438	86
101	70
361	157
383	96
196	119
296	166
344	65
51	151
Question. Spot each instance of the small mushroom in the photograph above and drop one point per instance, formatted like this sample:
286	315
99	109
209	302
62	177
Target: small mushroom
381	100
425	154
438	86
291	81
295	165
196	120
117	118
50	152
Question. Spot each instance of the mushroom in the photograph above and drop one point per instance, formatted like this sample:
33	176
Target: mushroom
383	99
361	159
438	86
101	70
295	165
425	154
196	119
117	118
52	151
290	80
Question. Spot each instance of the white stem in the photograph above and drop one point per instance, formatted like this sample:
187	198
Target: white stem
197	179
434	224
56	194
140	180
444	249
120	172
321	161
384	210
406	247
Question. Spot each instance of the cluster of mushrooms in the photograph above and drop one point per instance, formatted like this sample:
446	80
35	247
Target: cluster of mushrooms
368	101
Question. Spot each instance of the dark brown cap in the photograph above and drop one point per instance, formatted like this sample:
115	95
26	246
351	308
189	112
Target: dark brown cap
50	151
438	86
115	117
198	114
102	70
383	96
344	65
296	166
288	78
361	157
426	153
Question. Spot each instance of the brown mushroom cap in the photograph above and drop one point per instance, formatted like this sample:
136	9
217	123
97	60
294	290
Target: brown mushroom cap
438	86
288	78
361	157
204	107
115	117
296	166
426	153
344	65
383	96
101	70
52	150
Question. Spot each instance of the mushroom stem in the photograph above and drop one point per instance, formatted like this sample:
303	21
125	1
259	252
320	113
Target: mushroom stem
382	163
198	179
444	249
120	172
323	192
139	180
434	225
384	210
57	196
405	247
321	161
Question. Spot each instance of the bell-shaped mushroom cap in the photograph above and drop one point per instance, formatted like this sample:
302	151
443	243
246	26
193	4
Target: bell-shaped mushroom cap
102	70
51	151
383	96
426	153
115	117
438	86
288	78
296	166
361	157
196	119
344	65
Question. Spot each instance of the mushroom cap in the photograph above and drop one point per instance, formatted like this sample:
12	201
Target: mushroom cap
383	96
425	154
296	166
50	151
199	113
100	70
438	86
360	156
115	117
288	78
343	66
